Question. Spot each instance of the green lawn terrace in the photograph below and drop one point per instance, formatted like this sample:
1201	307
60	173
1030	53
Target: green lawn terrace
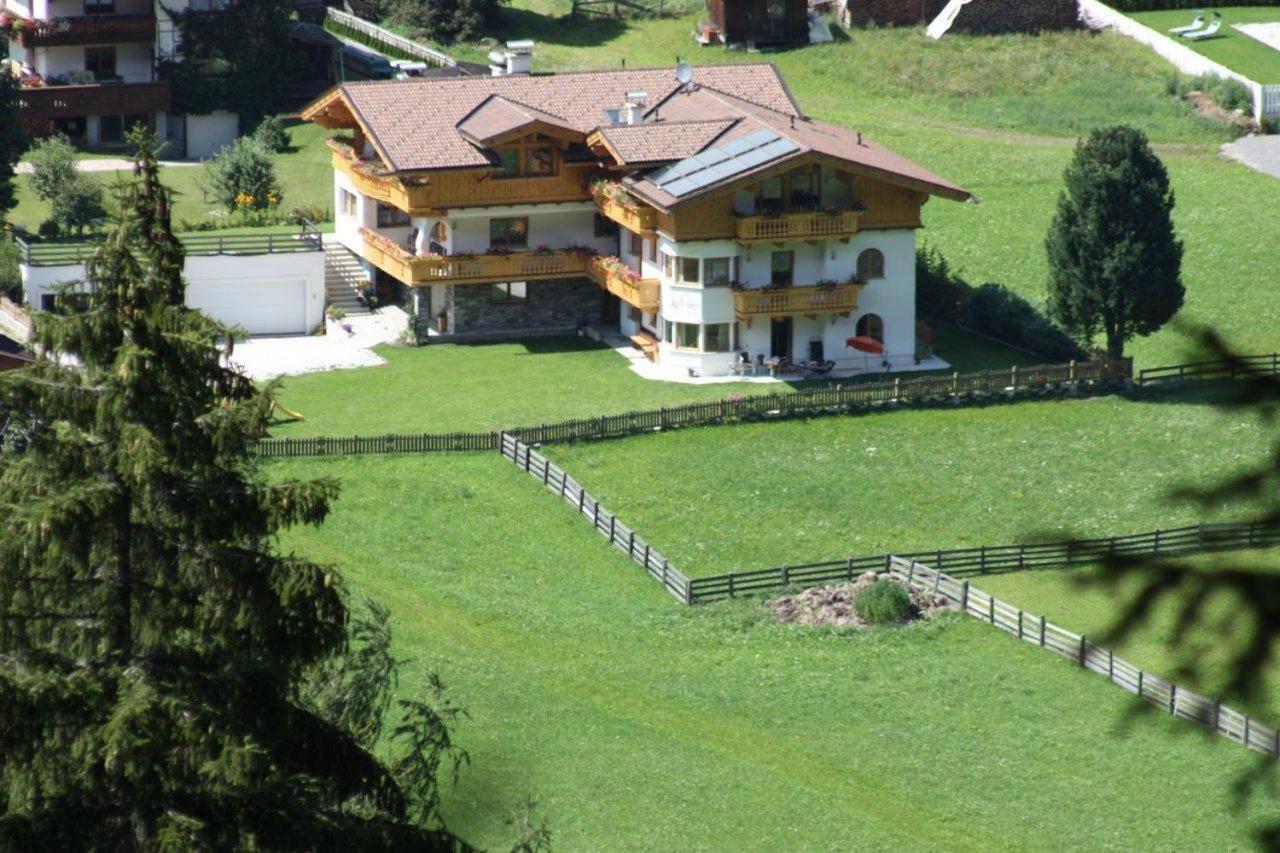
1236	50
641	724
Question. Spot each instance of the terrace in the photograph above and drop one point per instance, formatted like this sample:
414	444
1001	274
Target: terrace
643	293
487	268
86	29
792	301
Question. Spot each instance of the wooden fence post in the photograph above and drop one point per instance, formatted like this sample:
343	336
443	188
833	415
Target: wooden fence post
1019	624
1042	632
1141	675
848	565
1173	699
964	597
991	608
786	574
1083	644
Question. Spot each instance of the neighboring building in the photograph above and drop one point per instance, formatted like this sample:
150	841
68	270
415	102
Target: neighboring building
890	13
13	355
761	22
705	219
88	70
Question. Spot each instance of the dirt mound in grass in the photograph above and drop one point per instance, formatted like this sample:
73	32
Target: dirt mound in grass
833	605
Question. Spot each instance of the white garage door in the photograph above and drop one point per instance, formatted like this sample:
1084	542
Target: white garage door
262	306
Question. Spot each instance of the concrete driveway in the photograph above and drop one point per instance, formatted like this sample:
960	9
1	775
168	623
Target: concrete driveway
1260	153
269	357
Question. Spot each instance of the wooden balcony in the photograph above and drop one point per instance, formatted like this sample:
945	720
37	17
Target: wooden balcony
792	301
89	29
637	217
473	269
641	293
93	99
436	194
797	226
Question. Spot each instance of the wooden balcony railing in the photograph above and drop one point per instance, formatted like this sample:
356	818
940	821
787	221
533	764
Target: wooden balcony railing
93	99
797	226
88	29
791	301
642	293
633	217
472	269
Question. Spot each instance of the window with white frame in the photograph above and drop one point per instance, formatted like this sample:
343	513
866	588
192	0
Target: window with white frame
717	272
348	202
716	338
687	335
512	291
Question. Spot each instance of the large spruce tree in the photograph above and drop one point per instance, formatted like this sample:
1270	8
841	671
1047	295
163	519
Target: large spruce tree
159	657
12	142
1114	261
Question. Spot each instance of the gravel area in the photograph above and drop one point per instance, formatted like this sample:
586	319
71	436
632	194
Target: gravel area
269	357
1260	153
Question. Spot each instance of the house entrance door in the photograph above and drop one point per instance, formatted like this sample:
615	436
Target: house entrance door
780	345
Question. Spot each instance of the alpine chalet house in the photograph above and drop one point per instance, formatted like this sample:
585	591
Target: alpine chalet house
695	210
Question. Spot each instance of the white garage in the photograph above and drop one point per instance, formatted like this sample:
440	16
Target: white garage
260	306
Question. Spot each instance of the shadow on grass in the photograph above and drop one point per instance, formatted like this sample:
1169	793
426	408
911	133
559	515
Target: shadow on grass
566	30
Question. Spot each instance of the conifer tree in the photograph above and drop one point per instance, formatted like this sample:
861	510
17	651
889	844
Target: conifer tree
12	142
155	646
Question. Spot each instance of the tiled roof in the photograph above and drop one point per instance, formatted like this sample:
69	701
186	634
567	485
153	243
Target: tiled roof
497	116
414	123
663	141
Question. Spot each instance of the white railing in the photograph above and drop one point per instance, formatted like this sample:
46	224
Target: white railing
390	39
1266	99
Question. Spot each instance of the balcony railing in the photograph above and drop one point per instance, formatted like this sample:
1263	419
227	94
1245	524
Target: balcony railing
642	293
790	301
471	269
93	99
797	226
88	29
633	217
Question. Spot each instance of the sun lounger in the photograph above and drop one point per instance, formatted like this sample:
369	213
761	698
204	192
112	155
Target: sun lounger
1207	32
1198	23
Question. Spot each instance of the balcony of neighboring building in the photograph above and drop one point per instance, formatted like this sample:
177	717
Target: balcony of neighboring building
618	205
63	82
495	266
85	29
797	225
615	277
821	298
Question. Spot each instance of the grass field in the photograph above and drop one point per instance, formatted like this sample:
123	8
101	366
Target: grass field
1232	48
720	499
640	724
455	387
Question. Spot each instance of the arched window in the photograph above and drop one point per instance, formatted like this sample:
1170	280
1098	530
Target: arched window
870	326
871	264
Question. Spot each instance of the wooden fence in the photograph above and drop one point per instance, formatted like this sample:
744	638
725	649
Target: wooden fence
1195	539
395	43
1235	368
34	252
1177	701
17	314
605	522
1083	376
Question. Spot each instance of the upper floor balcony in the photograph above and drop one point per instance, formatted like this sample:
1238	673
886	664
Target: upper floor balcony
616	278
486	268
794	301
86	29
800	225
93	99
436	193
618	205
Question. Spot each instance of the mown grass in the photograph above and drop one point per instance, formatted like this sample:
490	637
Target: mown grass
1232	48
451	387
641	724
719	499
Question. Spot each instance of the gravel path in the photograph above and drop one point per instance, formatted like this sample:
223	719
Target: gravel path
1260	153
114	164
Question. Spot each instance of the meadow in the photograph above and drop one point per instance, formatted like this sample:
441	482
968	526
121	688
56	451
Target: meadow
641	724
1234	49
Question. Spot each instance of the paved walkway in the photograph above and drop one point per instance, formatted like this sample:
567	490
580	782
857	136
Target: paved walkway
1260	153
114	164
267	358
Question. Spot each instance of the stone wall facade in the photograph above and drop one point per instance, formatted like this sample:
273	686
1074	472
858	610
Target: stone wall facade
891	13
471	312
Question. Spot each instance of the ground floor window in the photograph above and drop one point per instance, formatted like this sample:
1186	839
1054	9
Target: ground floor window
513	291
870	326
687	335
714	337
635	314
717	338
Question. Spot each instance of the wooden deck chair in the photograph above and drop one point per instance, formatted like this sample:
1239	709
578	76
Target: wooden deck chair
1190	28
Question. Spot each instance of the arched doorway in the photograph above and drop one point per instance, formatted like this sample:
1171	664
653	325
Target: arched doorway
870	326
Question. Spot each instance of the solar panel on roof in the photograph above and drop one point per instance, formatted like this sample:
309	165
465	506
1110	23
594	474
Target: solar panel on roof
725	161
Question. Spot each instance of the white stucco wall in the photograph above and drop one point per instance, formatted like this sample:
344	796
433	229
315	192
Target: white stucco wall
557	226
208	134
133	61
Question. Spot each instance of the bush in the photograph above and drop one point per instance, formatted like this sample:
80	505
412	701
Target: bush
10	275
49	230
54	164
242	177
997	312
1159	5
883	602
271	135
457	20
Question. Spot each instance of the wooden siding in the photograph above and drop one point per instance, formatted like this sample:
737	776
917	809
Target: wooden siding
748	20
792	301
887	206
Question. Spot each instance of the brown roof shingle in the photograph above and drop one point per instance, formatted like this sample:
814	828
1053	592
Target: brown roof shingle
663	141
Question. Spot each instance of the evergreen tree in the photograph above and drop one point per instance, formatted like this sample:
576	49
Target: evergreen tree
12	142
158	655
1114	261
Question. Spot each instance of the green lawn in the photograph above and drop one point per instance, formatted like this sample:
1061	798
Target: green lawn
455	387
641	724
1232	48
718	499
305	174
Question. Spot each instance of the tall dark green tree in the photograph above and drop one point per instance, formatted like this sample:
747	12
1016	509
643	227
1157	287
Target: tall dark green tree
168	678
1114	260
12	142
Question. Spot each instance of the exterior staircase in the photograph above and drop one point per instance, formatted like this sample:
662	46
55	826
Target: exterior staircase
344	279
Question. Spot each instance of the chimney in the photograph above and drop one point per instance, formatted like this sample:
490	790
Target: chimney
519	57
634	110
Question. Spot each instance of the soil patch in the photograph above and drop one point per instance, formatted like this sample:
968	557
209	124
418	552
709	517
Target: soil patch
833	605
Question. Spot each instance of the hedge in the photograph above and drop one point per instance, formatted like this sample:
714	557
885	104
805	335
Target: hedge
1159	5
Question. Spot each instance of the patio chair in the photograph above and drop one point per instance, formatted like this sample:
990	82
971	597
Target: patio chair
1208	32
1198	23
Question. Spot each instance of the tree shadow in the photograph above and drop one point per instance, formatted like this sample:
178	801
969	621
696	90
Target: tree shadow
566	30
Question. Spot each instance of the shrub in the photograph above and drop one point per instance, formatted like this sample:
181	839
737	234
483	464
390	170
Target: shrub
883	602
53	166
271	135
49	230
457	20
997	312
242	177
80	204
1225	92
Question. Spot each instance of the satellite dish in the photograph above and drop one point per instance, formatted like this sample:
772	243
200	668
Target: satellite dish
684	73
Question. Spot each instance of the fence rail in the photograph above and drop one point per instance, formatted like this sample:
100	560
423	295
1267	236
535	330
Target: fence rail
1177	701
1015	380
390	39
605	522
17	314
986	560
1228	368
39	253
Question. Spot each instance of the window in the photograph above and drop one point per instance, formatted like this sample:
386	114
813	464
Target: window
689	270
509	233
531	160
781	269
870	326
668	267
635	243
439	237
717	338
348	204
718	272
669	331
515	291
510	163
110	130
687	335
539	161
653	251
635	314
100	61
605	227
871	264
769	196
389	216
804	191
